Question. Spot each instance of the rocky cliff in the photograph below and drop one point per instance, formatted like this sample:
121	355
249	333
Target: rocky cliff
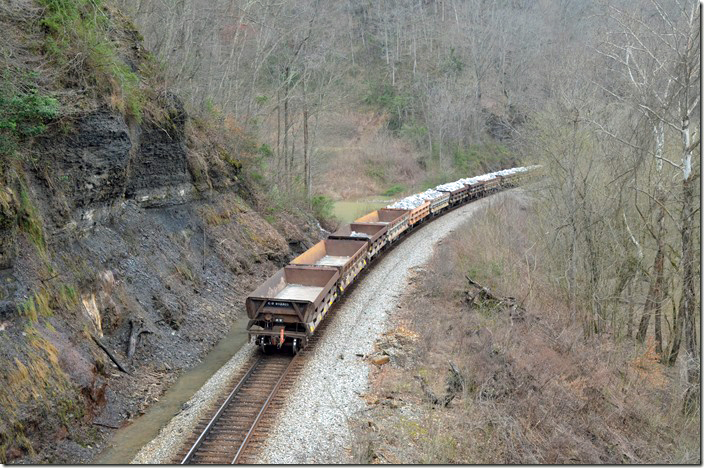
133	235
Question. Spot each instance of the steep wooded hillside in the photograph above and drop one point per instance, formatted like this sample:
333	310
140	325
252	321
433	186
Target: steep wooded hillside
127	225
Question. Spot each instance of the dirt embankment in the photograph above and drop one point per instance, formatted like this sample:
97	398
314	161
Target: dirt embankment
473	380
142	235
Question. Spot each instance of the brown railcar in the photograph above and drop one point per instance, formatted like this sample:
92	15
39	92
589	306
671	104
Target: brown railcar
458	196
438	204
347	255
418	214
396	219
290	304
375	233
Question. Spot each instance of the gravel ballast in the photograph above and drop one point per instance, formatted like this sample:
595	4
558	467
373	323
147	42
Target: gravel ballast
312	427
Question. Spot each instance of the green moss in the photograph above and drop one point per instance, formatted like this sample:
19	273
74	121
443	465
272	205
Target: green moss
376	171
69	410
230	159
36	306
476	158
33	379
394	189
322	206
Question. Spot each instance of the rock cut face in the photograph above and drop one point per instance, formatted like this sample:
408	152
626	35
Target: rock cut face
89	163
160	157
102	159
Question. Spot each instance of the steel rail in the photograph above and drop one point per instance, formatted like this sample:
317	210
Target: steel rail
263	410
222	408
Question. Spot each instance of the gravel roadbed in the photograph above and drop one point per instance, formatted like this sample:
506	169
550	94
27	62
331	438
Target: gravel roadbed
171	438
313	425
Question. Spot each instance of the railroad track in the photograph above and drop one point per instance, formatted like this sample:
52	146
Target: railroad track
243	419
230	434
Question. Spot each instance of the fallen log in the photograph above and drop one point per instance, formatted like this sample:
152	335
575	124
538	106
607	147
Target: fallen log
110	354
455	379
430	396
516	310
109	426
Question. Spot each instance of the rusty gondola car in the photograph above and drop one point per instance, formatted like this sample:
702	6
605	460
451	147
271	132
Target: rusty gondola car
397	221
458	196
374	233
347	255
439	204
290	305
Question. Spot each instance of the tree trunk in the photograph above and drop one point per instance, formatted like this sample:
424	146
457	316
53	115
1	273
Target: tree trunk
659	277
287	168
629	319
306	162
676	339
572	208
653	296
653	301
278	124
688	309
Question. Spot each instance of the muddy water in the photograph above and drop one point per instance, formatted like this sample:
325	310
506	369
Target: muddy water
130	439
349	210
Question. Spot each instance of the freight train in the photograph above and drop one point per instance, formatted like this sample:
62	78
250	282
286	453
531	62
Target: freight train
287	308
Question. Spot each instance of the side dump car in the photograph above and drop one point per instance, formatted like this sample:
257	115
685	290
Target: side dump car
347	255
397	221
375	233
290	304
438	204
492	185
419	213
457	196
476	189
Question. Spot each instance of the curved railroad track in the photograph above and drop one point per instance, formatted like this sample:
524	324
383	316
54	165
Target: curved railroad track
243	419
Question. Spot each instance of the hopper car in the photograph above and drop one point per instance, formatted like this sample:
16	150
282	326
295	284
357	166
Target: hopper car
289	306
397	221
374	233
419	214
458	196
439	204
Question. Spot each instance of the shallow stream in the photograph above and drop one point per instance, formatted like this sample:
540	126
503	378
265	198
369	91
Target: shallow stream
349	210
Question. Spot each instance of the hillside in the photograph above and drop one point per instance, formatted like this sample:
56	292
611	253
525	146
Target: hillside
513	381
125	221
